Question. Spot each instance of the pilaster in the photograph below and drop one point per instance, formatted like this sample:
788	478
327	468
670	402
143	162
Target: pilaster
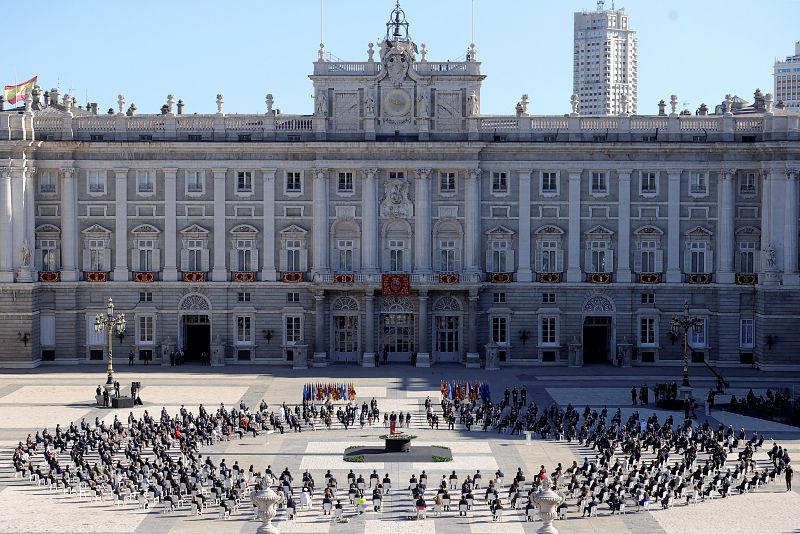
524	273
473	360
120	226
320	236
623	272
170	272
423	331
674	274
320	355
219	272
472	217
368	359
6	226
574	237
725	234
19	225
369	227
790	274
268	271
422	222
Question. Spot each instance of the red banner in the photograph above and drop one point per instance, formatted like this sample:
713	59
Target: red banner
396	284
244	276
144	276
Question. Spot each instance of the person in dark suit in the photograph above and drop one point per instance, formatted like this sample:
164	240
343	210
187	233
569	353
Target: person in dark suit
130	358
789	475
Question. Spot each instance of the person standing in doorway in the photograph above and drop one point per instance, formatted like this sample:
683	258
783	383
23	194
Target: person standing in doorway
385	356
172	358
130	358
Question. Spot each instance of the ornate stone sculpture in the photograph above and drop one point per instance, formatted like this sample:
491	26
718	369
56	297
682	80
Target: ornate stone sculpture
269	101
220	102
422	105
370	52
267	502
121	103
369	105
25	251
574	101
322	104
770	252
474	104
547	500
396	202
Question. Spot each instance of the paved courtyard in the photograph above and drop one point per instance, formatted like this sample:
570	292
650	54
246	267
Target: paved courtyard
32	400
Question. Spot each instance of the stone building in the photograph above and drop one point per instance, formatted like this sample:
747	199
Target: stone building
398	219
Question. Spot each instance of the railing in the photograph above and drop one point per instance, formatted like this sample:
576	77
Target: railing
698	124
549	123
748	125
194	123
294	125
375	278
649	123
499	124
244	123
146	124
599	123
98	123
48	124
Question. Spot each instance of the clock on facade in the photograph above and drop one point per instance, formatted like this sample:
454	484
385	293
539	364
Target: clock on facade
396	103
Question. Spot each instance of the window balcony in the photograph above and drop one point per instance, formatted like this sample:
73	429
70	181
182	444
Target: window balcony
49	276
292	276
649	278
244	276
599	278
698	278
95	276
194	276
144	277
746	279
548	278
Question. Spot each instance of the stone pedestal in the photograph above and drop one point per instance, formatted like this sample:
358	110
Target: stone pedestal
217	353
24	274
548	501
300	360
492	359
267	501
771	278
684	392
423	359
625	350
575	353
368	359
473	360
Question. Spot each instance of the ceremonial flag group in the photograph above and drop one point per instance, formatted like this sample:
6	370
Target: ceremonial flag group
324	391
17	93
462	390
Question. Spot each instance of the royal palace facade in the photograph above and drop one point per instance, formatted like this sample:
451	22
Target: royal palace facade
398	219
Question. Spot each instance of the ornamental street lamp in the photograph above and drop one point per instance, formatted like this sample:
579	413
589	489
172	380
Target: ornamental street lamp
683	323
109	322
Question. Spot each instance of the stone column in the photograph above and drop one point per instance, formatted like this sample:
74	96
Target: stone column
524	273
320	354
19	225
472	217
320	237
790	274
368	359
268	271
422	222
574	238
623	272
726	240
423	329
766	227
69	226
369	222
170	272
219	272
674	274
6	226
30	213
473	360
120	226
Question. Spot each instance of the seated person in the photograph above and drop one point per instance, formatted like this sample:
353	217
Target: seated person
463	505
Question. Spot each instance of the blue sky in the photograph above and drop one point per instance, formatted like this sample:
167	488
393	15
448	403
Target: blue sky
698	49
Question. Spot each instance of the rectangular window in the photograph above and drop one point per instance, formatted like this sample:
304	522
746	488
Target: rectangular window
396	248
447	183
500	330
195	182
145	296
500	257
145	250
294	182
49	249
47	182
195	248
145	211
500	212
697	257
649	183
747	257
548	298
97	181
293	211
746	333
499	298
447	256
599	250
549	334
499	183
549	256
698	336
293	296
599	184
648	249
244	211
294	249
647	331
244	296
96	247
648	298
145	329
549	182
396	175
698	183
345	183
244	329
244	182
345	247
747	185
195	211
145	181
244	255
293	330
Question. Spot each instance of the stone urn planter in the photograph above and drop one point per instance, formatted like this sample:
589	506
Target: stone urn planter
547	500
267	502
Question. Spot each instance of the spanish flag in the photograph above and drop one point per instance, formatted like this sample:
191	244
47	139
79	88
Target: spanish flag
17	93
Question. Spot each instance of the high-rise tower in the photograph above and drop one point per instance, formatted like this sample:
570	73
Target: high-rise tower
605	62
787	80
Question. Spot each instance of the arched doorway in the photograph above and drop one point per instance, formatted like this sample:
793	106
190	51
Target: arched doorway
194	331
599	343
447	329
346	339
397	329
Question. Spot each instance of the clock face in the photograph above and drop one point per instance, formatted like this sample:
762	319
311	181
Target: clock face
396	103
